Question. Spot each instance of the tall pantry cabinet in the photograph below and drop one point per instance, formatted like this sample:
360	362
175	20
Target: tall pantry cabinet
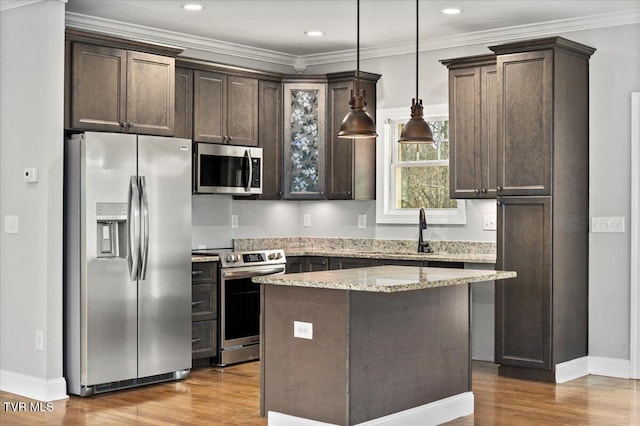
543	205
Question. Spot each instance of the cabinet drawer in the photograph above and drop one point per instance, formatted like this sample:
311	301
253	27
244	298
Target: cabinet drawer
204	272
204	339
203	302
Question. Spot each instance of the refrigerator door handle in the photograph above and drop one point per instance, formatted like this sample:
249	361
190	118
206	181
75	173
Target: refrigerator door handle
248	155
133	220
145	227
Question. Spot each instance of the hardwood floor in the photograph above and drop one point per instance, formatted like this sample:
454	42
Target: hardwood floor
230	396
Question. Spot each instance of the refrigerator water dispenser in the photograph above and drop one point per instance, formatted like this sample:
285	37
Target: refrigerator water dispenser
111	229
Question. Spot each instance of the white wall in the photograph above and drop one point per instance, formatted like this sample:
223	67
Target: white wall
31	135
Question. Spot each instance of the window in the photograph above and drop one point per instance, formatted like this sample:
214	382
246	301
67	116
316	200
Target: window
415	175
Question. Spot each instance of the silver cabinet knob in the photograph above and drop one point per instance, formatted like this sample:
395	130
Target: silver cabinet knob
498	188
477	191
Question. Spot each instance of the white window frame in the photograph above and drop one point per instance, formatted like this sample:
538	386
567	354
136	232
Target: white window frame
386	212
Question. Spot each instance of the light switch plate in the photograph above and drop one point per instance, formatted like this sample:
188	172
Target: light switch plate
362	221
303	330
607	224
11	224
307	220
234	220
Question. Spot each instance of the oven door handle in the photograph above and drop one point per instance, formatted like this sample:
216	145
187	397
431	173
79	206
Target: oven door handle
252	272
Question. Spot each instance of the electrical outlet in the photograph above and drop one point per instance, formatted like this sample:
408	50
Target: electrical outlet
307	220
39	340
234	220
607	224
362	221
303	330
31	174
489	222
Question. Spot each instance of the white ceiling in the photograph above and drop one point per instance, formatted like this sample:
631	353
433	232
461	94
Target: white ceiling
274	29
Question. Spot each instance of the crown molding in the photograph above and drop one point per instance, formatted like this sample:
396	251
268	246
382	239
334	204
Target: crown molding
184	41
12	4
488	37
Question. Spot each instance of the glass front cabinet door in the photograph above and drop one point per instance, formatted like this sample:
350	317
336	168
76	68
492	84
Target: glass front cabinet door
304	140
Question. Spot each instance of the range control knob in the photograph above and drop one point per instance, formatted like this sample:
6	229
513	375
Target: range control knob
274	256
227	258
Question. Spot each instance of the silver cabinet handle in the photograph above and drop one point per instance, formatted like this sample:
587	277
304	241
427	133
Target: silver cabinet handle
194	304
194	273
133	220
145	227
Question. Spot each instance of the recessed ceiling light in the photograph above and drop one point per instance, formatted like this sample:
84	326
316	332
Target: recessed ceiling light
192	7
451	11
314	33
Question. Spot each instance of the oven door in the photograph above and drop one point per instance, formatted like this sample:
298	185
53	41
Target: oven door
225	169
240	305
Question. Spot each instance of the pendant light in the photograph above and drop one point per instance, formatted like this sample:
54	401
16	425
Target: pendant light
357	123
416	130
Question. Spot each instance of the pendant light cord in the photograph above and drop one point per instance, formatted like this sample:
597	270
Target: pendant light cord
358	48
417	50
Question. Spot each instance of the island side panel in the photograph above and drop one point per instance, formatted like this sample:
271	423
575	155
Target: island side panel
301	377
407	349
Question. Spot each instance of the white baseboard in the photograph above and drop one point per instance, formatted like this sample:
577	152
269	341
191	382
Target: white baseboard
434	413
33	387
611	367
571	370
483	356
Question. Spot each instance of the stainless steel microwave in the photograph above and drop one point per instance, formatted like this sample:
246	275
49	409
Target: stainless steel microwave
227	169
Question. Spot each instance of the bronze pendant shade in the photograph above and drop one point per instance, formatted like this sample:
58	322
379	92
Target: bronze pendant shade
416	130
357	123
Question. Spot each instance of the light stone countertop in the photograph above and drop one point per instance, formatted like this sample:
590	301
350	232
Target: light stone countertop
441	257
195	258
385	279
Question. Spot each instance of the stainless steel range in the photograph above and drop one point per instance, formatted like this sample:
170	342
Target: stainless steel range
239	302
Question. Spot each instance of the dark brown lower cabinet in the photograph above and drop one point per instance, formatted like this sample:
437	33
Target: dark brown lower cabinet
204	325
297	264
541	316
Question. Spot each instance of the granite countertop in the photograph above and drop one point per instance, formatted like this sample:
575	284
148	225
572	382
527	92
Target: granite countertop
196	258
385	279
442	257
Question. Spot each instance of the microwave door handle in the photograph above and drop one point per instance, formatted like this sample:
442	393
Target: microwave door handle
248	155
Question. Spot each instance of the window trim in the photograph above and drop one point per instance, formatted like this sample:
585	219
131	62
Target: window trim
386	212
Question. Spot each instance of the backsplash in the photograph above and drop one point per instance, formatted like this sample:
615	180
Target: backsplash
362	244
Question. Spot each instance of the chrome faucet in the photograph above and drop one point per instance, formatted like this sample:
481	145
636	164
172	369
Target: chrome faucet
423	246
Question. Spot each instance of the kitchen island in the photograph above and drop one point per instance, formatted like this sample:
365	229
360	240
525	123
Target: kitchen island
378	345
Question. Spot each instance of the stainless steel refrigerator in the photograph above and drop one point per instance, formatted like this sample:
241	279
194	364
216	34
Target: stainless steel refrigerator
127	274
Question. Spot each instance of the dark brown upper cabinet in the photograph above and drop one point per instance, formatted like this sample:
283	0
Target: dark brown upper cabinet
270	138
525	131
120	90
225	108
473	127
184	103
351	163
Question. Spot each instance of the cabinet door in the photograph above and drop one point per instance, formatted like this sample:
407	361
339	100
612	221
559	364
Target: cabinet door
489	131
209	106
304	140
151	102
317	263
270	138
350	262
523	304
295	264
184	104
242	111
351	170
525	111
98	88
465	133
